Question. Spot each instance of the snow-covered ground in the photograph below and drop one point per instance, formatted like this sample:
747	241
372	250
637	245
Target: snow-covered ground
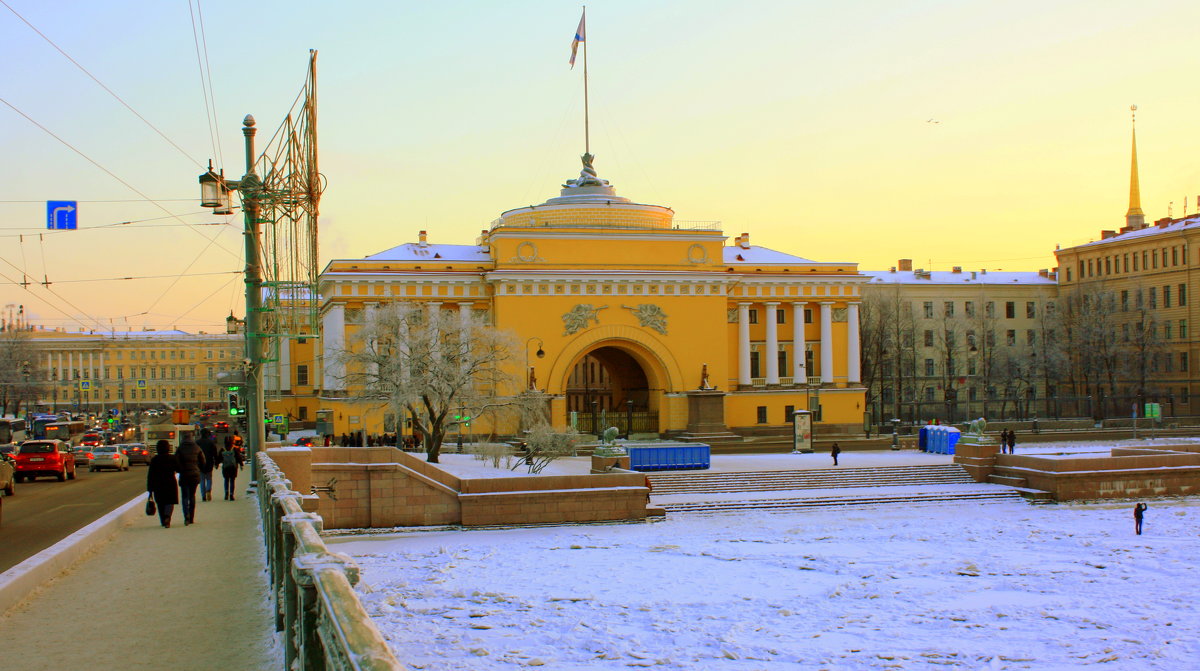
980	586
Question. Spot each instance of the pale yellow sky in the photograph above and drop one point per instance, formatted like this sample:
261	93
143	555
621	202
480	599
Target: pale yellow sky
978	134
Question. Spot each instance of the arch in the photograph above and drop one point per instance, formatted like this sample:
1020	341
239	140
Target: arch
662	371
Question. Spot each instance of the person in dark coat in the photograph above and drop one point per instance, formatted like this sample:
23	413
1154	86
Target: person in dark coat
834	452
160	481
209	447
190	461
1012	441
231	462
1003	441
1139	511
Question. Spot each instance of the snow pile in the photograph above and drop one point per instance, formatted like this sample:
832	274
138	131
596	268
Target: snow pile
981	586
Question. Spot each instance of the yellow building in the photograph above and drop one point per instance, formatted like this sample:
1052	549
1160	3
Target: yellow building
92	371
636	313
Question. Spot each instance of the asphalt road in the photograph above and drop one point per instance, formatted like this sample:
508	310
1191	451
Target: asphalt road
46	511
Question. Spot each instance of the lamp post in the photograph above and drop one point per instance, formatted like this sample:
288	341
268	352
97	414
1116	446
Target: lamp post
215	193
529	378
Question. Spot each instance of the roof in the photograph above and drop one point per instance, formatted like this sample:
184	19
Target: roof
948	277
413	251
760	255
1174	226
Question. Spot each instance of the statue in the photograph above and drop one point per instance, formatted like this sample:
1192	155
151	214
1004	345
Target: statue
532	379
704	385
587	176
976	433
608	446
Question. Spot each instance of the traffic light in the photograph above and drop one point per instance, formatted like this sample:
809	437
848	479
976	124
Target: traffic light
234	410
465	420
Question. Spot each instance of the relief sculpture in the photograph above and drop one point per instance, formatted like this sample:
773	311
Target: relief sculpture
579	316
650	316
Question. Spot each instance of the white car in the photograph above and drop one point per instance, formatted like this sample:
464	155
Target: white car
108	456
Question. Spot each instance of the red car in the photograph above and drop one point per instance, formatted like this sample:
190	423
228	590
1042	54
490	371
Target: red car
221	426
92	440
45	457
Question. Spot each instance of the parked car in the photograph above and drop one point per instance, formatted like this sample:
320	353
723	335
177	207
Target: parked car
36	458
137	453
82	454
109	456
8	472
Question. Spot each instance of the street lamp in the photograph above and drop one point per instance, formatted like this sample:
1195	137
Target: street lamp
541	354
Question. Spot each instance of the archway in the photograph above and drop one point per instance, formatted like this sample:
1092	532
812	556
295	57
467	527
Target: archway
609	387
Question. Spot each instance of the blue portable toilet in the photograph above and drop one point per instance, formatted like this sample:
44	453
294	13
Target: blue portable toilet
923	438
952	436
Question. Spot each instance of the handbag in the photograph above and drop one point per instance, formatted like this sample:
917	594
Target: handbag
150	505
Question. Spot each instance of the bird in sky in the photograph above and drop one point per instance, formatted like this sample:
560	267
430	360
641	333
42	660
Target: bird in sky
933	121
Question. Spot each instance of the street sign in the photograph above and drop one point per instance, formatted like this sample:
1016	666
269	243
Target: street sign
140	383
277	419
85	385
1153	410
61	215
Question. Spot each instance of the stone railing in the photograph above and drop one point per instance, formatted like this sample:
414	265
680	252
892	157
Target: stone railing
325	625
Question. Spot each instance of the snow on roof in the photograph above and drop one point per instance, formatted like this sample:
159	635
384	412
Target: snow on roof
1151	229
413	251
948	277
737	254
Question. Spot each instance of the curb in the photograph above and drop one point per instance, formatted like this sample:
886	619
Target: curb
21	580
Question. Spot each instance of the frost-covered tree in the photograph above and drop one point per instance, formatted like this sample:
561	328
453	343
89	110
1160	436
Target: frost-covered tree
433	366
18	371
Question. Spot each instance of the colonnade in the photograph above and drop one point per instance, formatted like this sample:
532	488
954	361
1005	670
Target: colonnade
799	372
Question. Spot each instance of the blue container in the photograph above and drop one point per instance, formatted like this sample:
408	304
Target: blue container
680	456
923	439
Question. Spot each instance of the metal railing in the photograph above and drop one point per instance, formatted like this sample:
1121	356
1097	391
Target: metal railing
325	625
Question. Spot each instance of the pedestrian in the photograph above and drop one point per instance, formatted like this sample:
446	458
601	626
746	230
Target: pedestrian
1012	441
649	488
238	444
327	437
190	460
160	482
231	462
834	452
209	447
1139	511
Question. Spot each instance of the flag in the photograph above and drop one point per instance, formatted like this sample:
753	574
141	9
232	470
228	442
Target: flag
578	38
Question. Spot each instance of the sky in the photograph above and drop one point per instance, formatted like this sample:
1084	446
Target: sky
974	134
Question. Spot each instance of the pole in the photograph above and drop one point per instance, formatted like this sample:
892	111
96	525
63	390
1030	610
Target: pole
250	185
587	144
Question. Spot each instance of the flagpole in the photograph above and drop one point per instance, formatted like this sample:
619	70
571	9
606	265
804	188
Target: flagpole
587	144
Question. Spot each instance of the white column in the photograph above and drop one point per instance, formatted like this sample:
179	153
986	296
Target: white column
70	365
49	366
799	348
91	374
743	344
100	371
853	360
60	366
464	313
369	321
772	353
826	342
333	338
285	364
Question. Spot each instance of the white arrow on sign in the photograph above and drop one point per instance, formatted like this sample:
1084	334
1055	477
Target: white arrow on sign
54	213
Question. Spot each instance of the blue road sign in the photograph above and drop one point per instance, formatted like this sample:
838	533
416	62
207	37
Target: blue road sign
61	214
85	385
140	383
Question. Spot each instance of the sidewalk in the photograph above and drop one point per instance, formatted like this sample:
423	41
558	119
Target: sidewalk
183	598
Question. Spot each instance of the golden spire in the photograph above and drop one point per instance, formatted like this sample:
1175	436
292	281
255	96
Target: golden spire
1134	218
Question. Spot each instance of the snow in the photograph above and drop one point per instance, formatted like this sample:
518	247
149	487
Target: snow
738	254
950	277
415	251
962	586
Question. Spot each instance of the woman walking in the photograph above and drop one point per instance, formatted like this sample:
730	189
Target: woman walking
160	482
231	461
191	461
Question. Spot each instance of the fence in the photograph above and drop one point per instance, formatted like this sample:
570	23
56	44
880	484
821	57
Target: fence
324	623
595	423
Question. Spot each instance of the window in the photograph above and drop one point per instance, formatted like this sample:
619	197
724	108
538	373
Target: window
1183	329
1010	337
1068	274
1154	259
172	354
1174	256
1182	294
971	366
906	339
928	309
1183	362
929	368
990	339
969	308
1124	300
1166	330
762	414
788	411
1135	262
1030	309
928	338
753	316
1124	332
782	362
781	316
1030	337
949	339
1137	299
302	375
303	413
1168	360
948	309
807	315
1167	296
754	367
1125	262
989	309
1153	297
928	393
1010	310
1107	266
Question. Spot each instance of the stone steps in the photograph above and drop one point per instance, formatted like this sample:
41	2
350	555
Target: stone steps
993	495
831	478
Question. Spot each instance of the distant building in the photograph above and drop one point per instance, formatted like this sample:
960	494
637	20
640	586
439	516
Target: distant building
953	345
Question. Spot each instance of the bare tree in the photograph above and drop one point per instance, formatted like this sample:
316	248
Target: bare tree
1092	338
433	365
18	371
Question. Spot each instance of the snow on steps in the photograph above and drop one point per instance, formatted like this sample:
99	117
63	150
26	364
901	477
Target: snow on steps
950	496
693	482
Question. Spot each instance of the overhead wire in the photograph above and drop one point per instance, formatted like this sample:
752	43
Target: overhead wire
208	107
101	84
212	92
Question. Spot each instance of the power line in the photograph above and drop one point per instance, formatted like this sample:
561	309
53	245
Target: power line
101	84
140	277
